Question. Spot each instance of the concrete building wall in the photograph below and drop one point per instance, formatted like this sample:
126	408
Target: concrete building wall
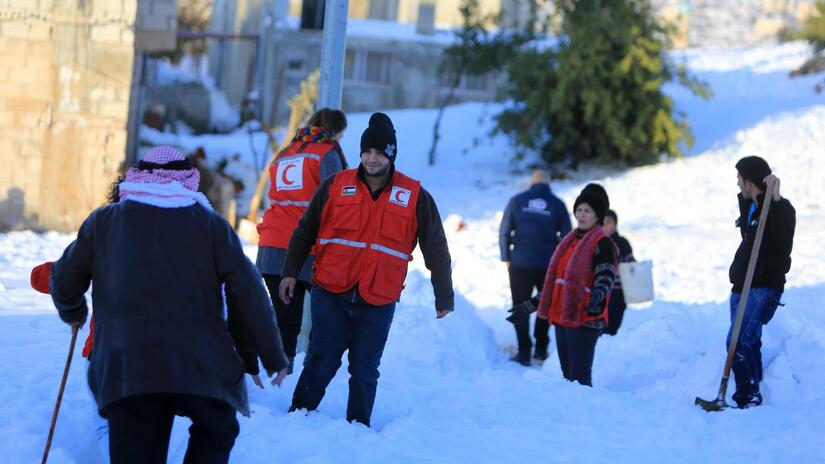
408	80
232	61
66	72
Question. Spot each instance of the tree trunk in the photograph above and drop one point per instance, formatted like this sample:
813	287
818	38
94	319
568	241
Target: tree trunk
444	103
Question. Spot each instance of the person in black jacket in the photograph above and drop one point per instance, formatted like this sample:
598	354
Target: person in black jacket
158	259
754	177
617	305
533	223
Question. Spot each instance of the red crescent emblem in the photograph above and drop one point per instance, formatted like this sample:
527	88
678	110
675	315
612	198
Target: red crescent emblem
401	196
284	178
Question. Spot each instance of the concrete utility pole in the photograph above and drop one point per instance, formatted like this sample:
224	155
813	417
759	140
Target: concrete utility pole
333	49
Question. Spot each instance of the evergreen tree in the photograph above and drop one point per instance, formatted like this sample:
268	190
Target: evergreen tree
813	30
596	94
476	51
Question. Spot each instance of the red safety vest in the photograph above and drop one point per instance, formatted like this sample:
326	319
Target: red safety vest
557	301
364	242
294	177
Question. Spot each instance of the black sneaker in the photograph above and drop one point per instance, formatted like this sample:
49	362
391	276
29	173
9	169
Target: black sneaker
523	359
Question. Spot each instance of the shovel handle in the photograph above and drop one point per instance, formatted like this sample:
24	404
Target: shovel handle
740	310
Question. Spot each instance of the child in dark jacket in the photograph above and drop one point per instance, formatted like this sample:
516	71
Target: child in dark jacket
617	306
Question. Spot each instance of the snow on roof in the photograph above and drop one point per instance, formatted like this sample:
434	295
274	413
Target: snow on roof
387	30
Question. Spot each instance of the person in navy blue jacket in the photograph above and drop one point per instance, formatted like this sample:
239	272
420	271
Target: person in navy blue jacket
534	222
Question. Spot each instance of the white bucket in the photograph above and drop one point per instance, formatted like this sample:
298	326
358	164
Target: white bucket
637	281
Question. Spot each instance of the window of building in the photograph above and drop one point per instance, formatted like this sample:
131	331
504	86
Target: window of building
374	67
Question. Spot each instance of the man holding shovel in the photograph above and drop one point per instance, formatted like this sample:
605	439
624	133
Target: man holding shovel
773	261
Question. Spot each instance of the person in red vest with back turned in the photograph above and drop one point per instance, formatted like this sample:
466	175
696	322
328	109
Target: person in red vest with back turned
313	155
364	224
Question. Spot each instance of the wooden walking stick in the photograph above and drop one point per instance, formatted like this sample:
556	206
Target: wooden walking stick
719	403
60	392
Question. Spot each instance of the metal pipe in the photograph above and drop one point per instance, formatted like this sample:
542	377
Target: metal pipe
333	49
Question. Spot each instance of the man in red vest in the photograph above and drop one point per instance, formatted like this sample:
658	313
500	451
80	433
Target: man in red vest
364	223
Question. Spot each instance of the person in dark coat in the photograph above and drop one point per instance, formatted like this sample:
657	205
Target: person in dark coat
754	178
578	284
158	259
533	223
615	311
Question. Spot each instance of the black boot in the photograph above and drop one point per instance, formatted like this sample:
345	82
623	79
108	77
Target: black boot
747	396
290	366
521	358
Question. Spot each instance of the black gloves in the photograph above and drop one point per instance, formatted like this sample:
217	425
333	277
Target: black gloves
250	363
521	312
596	305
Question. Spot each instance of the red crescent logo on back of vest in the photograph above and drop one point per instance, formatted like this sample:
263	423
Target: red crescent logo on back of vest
284	178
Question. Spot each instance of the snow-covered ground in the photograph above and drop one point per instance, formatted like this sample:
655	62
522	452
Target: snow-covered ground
447	391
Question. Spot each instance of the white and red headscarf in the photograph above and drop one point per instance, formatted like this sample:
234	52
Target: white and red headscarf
164	178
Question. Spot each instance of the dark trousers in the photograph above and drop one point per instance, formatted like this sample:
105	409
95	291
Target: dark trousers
522	283
615	311
747	358
290	315
339	325
576	347
140	425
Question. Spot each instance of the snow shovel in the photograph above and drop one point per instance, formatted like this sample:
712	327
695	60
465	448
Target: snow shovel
60	392
719	403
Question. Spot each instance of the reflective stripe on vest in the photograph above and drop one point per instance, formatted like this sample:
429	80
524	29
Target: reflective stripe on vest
290	203
300	155
340	241
390	251
373	246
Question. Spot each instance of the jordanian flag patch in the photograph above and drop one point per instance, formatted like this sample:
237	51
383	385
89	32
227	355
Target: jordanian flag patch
348	190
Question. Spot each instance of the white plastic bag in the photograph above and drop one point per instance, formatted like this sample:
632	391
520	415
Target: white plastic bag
637	281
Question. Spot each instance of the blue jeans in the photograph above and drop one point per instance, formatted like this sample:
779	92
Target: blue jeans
747	358
338	325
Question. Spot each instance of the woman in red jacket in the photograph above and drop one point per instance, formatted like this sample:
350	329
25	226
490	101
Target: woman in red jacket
577	286
313	155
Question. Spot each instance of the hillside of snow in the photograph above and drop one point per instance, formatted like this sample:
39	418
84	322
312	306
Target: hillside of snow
447	391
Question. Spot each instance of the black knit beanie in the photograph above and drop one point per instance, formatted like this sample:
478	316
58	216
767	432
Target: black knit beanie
754	169
380	135
595	196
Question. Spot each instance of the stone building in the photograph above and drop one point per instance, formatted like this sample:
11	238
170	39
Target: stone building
67	91
386	66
